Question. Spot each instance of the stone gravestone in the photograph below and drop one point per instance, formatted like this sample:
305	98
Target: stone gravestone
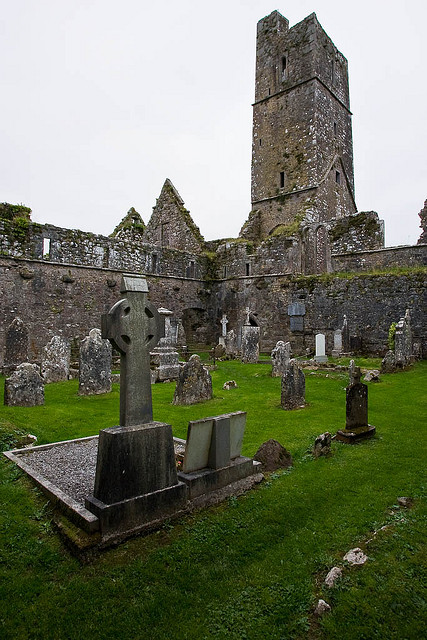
55	366
250	339
164	357
230	344
293	387
94	364
25	387
280	358
16	344
320	348
337	350
136	480
403	341
194	383
212	456
356	426
223	323
345	335
388	363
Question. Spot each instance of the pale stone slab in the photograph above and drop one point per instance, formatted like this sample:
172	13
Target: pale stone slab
237	431
199	437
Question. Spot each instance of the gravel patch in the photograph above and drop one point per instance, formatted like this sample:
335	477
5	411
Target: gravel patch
70	467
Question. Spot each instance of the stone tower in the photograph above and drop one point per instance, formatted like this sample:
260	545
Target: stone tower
302	150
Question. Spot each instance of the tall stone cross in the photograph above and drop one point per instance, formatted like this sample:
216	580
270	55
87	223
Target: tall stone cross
133	327
224	323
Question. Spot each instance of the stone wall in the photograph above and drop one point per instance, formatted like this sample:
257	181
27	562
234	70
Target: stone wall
389	257
371	303
55	299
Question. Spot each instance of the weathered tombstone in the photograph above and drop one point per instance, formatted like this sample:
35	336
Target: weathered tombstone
388	363
181	339
293	387
164	357
16	351
403	341
337	350
194	383
55	366
230	344
322	445
356	426
345	336
94	364
223	323
136	480
320	348
25	387
280	358
250	339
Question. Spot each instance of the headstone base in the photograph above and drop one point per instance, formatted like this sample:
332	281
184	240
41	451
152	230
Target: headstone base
321	358
207	480
355	435
221	341
133	515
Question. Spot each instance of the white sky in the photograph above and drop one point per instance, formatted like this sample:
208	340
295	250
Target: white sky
102	100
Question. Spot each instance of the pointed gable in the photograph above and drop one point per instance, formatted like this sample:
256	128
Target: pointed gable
171	224
130	228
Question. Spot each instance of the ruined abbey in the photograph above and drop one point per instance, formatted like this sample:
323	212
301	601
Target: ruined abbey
305	257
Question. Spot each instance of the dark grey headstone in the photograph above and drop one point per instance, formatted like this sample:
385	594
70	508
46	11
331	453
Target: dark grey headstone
322	445
293	387
194	383
95	364
356	406
273	455
25	387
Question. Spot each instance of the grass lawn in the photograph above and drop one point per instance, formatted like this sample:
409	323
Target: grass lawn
252	568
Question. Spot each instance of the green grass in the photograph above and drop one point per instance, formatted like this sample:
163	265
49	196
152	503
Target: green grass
254	566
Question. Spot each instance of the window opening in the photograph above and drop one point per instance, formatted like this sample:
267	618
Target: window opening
46	247
337	177
225	271
154	262
282	179
248	268
335	128
284	67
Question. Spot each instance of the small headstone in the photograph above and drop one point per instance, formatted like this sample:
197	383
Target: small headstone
320	348
356	427
280	358
293	387
224	322
194	383
219	351
25	387
250	343
28	440
230	344
388	363
403	341
55	366
337	350
322	445
16	351
345	336
372	376
334	574
355	556
273	455
95	364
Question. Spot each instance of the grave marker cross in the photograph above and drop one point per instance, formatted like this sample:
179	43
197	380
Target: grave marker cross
132	326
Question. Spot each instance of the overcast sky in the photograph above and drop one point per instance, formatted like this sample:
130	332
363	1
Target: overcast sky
101	100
